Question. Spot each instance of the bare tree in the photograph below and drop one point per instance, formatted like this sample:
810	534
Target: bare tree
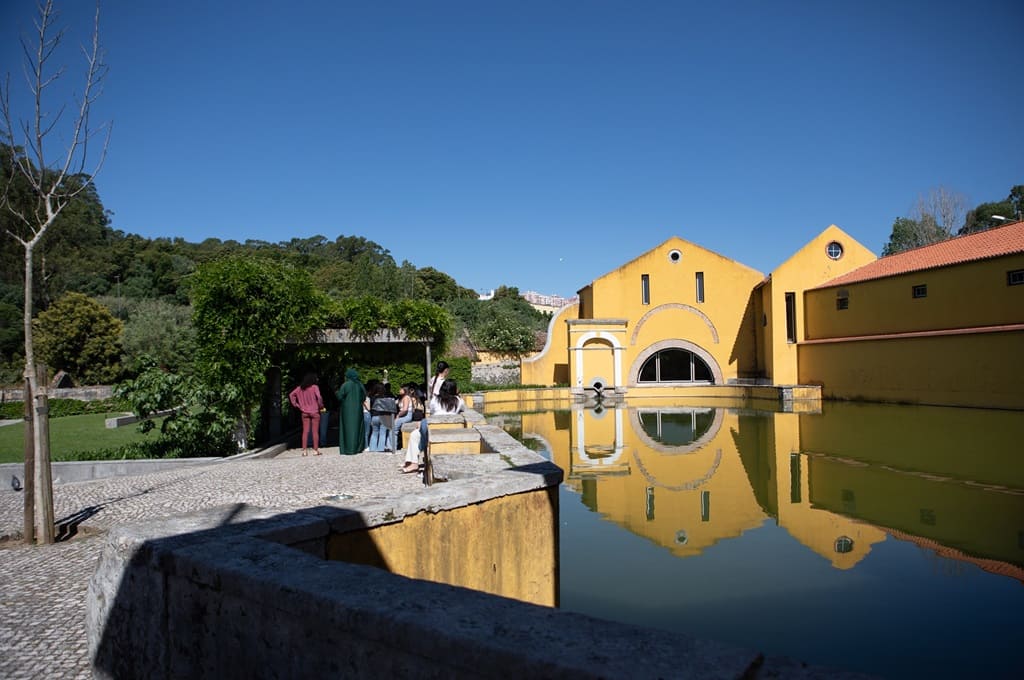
941	207
53	181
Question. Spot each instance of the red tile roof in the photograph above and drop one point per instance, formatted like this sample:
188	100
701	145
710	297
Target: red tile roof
1005	240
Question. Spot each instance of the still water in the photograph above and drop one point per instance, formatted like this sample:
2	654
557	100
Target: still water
886	539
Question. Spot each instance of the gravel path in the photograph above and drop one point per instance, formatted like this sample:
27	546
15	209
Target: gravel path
42	588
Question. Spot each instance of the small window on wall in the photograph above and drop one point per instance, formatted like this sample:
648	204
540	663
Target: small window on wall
834	250
700	286
1015	278
920	291
842	300
645	289
790	317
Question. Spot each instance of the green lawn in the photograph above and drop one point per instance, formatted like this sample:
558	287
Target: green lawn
68	434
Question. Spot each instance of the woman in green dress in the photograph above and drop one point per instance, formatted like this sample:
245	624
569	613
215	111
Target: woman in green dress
352	438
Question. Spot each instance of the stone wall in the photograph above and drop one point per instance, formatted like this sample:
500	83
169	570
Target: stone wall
89	393
497	373
219	595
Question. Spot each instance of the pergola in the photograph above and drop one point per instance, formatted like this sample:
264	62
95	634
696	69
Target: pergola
271	406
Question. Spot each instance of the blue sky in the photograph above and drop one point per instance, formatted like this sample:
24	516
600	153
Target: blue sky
542	144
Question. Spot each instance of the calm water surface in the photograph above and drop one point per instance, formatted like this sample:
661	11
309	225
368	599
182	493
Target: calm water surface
887	539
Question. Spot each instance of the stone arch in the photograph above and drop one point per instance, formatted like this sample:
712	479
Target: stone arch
675	305
613	344
674	343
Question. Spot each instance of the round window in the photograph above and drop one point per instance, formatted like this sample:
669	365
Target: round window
834	250
675	256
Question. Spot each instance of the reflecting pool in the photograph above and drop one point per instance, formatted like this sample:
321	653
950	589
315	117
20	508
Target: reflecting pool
886	539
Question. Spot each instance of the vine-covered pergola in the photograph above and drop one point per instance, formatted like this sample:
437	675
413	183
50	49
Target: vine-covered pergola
271	406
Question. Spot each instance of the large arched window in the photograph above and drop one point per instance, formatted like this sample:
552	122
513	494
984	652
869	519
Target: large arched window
675	365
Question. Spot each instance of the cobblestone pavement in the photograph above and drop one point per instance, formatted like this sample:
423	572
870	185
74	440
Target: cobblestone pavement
42	588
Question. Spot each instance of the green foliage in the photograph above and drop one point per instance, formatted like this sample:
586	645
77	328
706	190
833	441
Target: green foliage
157	329
74	255
438	287
79	335
196	428
460	369
504	335
366	315
908	233
244	309
507	324
981	217
11	335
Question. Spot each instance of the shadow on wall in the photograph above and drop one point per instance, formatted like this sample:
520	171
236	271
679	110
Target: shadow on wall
239	592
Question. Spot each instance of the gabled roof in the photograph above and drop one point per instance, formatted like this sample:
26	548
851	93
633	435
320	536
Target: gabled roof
983	245
673	239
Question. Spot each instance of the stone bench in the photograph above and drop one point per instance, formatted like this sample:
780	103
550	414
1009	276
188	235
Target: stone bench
451	432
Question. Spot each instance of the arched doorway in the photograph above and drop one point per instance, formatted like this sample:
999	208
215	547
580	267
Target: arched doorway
675	365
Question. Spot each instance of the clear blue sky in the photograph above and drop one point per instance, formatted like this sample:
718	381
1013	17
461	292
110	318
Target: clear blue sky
541	144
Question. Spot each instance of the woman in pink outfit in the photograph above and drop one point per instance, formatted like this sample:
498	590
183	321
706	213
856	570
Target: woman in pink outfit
306	397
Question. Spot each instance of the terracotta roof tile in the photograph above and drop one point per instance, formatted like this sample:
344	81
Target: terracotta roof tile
1005	240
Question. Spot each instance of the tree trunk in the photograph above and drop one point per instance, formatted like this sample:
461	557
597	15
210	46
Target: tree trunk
30	469
44	474
40	417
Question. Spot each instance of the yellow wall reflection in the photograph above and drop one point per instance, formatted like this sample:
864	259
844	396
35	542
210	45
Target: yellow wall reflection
688	476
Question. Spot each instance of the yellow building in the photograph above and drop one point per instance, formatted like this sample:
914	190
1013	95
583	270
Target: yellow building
682	315
943	324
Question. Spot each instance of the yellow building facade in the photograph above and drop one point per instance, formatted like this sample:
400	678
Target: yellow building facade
682	315
943	324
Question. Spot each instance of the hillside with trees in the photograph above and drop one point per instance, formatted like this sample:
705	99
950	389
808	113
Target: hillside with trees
148	285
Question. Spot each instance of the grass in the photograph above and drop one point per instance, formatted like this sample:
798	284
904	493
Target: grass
71	434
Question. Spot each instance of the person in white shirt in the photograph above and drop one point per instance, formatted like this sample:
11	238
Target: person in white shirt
435	384
448	401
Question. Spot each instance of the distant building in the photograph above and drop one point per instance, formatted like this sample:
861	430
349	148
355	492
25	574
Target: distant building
548	303
539	301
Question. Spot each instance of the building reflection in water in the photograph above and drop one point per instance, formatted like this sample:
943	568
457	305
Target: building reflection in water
839	482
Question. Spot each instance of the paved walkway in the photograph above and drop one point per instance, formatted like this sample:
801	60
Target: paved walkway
42	589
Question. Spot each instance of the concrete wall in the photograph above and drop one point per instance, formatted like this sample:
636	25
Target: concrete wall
240	592
64	472
963	369
512	548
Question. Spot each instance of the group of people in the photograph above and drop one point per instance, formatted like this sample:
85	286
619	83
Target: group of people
371	417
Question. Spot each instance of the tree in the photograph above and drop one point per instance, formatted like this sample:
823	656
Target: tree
79	335
54	182
941	207
244	308
982	217
908	233
161	331
196	429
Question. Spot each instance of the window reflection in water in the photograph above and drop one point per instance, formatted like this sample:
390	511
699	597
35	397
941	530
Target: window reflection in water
802	503
676	428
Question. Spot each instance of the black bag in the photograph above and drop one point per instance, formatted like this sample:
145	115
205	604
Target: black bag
418	414
384	406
